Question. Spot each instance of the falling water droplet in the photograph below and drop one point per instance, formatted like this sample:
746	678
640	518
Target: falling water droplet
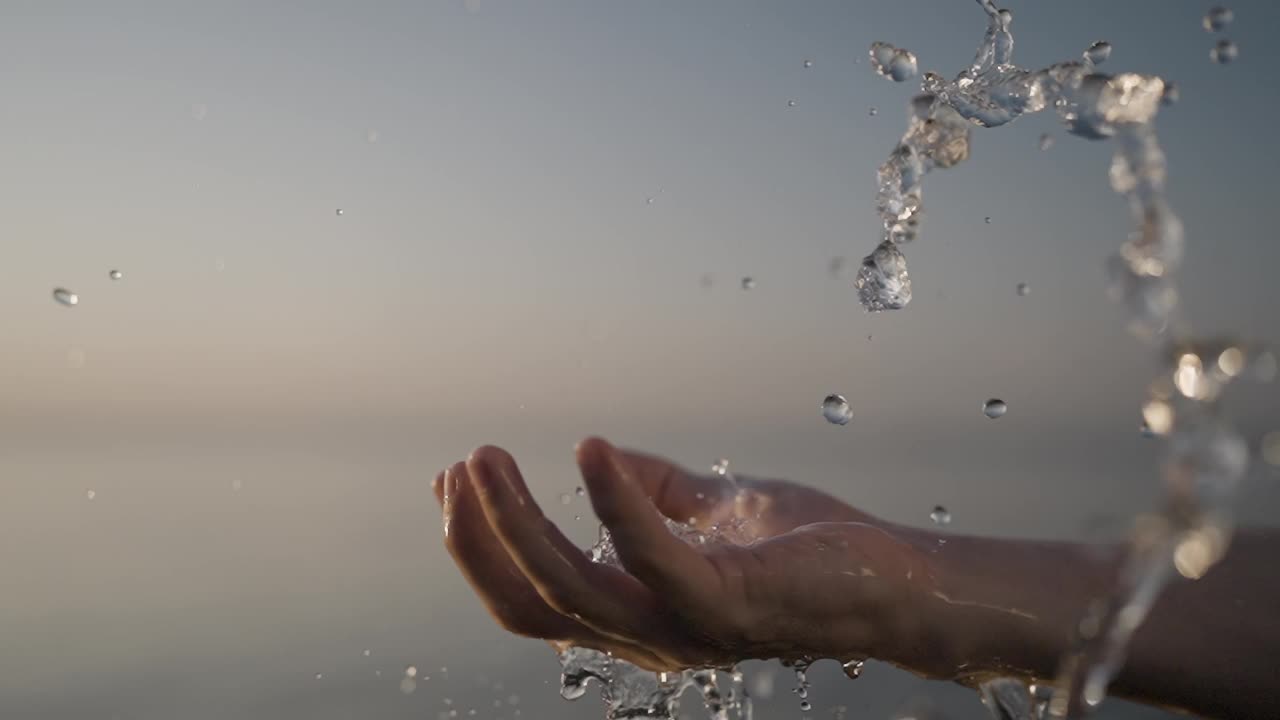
806	705
995	408
903	66
367	653
579	491
411	671
882	281
872	112
987	219
1224	52
649	200
940	516
1023	289
791	103
1217	19
836	410
808	63
1098	52
748	283
1046	141
91	494
319	676
338	211
1171	95
721	467
853	669
115	274
66	297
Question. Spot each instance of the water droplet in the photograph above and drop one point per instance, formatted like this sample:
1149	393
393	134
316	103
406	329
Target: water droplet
1224	52
836	410
940	516
319	676
565	499
808	63
408	685
1046	141
748	283
721	467
338	211
987	219
1098	52
872	112
791	103
853	668
994	408
115	274
411	671
66	297
882	281
1024	289
579	491
897	64
366	653
1171	95
1218	19
806	705
90	494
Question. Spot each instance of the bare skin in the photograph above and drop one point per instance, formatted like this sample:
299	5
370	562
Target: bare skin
823	579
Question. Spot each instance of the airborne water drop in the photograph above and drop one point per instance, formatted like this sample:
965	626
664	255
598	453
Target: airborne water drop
1217	19
1046	141
1098	52
995	408
940	515
66	297
115	274
1023	289
836	410
748	283
1224	52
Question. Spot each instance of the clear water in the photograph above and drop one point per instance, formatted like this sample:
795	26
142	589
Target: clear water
995	408
65	297
836	410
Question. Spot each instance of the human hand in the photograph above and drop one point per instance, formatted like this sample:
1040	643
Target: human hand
817	579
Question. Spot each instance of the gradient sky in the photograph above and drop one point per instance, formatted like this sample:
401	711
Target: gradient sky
498	275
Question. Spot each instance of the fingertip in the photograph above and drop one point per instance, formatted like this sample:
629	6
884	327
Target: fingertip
454	476
437	487
486	464
593	450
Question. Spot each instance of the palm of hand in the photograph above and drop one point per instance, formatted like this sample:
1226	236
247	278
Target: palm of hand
816	568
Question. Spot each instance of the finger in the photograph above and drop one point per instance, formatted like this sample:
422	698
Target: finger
676	493
604	598
646	547
437	488
502	587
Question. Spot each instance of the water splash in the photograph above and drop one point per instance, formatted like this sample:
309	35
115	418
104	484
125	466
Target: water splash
631	692
1206	457
1009	699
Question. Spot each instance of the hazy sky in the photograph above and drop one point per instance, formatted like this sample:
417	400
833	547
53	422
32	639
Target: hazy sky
498	275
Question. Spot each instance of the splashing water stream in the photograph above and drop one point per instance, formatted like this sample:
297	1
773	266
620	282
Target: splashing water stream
1206	458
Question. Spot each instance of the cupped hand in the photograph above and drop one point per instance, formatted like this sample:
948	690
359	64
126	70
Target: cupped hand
816	578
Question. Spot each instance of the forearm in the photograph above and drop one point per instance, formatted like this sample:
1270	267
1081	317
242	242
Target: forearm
1011	607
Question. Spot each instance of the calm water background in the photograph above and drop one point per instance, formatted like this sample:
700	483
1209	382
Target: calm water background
498	275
